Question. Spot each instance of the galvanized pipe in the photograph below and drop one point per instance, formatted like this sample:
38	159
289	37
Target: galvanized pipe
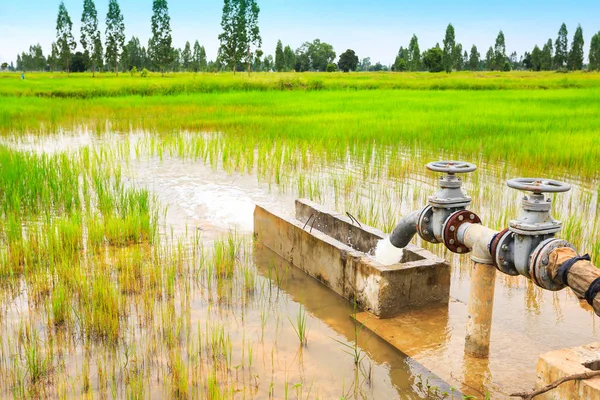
405	230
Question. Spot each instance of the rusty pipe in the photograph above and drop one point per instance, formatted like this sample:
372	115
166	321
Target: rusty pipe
405	230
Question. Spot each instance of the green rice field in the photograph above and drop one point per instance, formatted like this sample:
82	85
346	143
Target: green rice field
127	265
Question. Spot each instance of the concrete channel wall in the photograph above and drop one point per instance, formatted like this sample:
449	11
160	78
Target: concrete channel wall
334	249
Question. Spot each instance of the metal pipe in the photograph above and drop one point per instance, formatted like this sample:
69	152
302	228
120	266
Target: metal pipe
481	306
405	230
477	238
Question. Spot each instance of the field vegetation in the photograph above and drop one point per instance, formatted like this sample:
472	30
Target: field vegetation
80	85
97	298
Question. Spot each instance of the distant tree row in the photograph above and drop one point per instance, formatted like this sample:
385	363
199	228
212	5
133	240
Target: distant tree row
240	48
113	54
452	57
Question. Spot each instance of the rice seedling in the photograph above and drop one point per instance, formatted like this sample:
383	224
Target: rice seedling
300	326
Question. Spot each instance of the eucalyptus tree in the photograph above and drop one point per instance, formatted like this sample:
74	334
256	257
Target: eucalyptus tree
115	34
289	58
160	45
576	53
64	38
474	59
199	58
546	56
240	34
449	52
279	61
500	52
186	57
90	35
595	52
561	48
414	54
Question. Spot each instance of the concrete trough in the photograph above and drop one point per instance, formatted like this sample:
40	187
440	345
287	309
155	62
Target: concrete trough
335	250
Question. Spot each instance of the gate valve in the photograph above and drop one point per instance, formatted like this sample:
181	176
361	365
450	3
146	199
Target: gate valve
448	199
512	247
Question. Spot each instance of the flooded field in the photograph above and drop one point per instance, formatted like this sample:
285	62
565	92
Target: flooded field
192	308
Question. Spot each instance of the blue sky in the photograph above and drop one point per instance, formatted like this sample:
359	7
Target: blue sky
372	28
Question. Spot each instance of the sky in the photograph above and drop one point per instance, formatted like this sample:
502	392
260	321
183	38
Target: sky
372	28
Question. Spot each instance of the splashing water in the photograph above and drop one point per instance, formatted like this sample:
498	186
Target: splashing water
386	253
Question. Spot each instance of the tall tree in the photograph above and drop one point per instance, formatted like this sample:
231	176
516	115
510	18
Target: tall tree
595	52
289	58
53	58
474	59
132	55
240	32
199	58
500	52
576	53
233	38
64	38
536	58
90	35
401	62
314	55
546	56
252	30
457	56
433	59
414	54
279	61
160	46
348	61
196	57
186	57
561	46
489	59
449	43
115	34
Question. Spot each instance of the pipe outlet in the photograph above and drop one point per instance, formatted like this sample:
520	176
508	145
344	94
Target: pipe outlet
405	230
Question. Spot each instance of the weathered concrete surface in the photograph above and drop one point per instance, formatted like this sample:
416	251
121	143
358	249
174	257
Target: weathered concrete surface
420	279
557	364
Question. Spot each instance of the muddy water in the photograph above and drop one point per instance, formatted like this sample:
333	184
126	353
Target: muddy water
527	320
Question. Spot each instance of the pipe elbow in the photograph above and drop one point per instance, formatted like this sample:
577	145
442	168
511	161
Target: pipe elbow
405	230
477	238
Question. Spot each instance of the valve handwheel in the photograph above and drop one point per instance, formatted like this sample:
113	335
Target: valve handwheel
538	185
451	167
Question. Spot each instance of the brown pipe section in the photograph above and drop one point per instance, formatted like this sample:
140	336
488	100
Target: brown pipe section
481	305
580	277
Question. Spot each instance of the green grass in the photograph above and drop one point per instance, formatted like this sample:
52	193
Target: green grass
553	130
108	85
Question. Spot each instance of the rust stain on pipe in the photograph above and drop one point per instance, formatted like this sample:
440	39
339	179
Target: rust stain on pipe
481	305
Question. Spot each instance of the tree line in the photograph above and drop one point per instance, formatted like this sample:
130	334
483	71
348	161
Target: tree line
451	56
240	48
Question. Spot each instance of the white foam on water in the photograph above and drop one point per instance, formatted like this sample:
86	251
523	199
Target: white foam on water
386	253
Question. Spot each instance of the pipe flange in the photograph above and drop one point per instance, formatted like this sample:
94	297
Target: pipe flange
500	249
539	263
424	227
450	230
493	246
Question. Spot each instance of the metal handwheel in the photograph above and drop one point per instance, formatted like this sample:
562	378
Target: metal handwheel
451	167
538	185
